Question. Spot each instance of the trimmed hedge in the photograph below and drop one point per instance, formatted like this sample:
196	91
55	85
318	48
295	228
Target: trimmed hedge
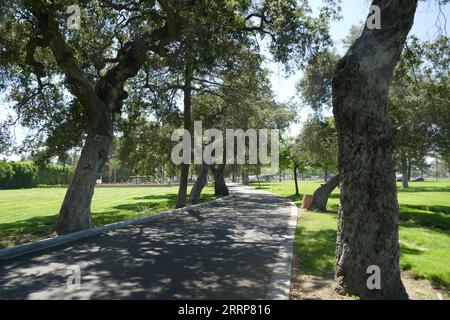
19	175
6	172
23	177
52	175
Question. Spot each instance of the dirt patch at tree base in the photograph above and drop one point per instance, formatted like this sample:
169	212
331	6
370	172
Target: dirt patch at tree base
307	287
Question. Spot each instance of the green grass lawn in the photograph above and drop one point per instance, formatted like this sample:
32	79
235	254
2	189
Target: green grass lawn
424	230
29	214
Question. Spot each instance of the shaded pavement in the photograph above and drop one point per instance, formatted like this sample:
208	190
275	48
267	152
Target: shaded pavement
227	251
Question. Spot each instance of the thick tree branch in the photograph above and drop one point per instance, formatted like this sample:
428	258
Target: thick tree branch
81	86
108	91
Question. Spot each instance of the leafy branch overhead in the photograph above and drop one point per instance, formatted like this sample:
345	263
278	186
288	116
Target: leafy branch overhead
58	73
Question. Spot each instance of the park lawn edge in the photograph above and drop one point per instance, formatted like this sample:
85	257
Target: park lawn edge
315	241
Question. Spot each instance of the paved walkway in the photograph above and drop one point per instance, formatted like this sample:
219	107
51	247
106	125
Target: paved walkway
228	251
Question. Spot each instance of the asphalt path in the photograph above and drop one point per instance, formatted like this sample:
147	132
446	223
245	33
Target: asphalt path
228	251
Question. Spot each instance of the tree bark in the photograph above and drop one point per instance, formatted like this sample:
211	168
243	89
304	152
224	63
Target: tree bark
220	187
75	212
321	195
199	184
368	216
409	169
437	169
326	174
405	180
296	180
187	91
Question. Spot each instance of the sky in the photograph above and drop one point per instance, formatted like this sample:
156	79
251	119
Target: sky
353	13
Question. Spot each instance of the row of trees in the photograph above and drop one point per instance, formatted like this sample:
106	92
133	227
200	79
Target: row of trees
136	60
75	88
418	108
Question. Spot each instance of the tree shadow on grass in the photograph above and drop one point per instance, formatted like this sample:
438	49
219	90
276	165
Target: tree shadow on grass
423	189
425	219
316	251
156	197
35	228
439	282
433	208
141	206
404	249
28	230
158	203
297	199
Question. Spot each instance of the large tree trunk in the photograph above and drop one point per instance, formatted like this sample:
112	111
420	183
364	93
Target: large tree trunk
184	177
321	195
100	102
199	184
220	187
75	212
368	217
405	180
182	190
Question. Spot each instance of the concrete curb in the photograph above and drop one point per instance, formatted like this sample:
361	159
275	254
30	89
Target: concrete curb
20	250
280	284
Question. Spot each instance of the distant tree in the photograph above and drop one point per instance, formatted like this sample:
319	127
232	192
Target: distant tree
315	86
434	70
319	136
5	139
412	130
299	162
145	148
353	35
419	106
244	100
285	161
318	144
